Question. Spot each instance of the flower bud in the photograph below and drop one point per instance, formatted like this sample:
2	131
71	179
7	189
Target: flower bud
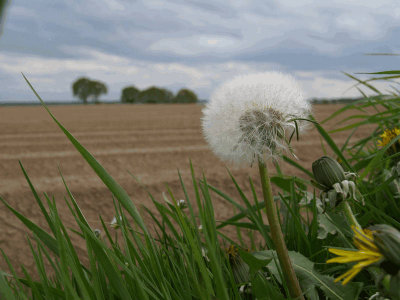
97	233
387	239
327	171
114	224
241	271
394	291
181	203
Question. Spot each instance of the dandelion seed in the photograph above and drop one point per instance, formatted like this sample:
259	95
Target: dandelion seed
97	232
181	203
242	288
250	116
114	223
204	252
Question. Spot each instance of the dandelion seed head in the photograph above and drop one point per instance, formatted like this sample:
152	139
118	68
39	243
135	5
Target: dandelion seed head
251	115
181	203
114	223
97	232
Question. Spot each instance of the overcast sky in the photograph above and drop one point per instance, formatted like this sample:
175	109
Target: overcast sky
192	43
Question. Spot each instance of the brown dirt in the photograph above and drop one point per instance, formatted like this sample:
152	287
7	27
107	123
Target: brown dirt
150	141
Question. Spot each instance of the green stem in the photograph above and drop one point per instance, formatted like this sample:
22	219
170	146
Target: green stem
277	235
350	216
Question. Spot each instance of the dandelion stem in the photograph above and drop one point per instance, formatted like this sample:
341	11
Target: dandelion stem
277	235
350	216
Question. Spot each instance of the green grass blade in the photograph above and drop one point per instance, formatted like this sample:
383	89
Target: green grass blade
6	292
46	238
298	166
112	185
333	145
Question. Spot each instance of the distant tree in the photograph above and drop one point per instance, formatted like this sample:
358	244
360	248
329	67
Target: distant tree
185	96
156	95
86	89
81	89
97	88
130	94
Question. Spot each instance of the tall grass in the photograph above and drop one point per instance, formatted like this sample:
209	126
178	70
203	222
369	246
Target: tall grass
185	255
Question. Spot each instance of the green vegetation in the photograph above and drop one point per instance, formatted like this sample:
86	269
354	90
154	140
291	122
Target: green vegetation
155	94
130	95
86	89
185	96
334	100
3	6
189	255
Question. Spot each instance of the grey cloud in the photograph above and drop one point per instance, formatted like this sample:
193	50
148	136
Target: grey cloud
293	35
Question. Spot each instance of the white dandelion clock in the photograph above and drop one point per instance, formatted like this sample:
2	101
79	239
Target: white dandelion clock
252	116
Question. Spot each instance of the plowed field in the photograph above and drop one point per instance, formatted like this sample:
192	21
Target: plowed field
149	142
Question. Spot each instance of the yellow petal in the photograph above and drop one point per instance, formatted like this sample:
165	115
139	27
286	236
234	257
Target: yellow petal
351	276
360	245
360	236
366	263
350	273
342	252
351	252
347	259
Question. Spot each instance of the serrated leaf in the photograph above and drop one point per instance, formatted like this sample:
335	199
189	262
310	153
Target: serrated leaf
325	227
254	263
310	279
264	290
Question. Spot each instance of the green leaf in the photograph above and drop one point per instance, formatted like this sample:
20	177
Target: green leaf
310	279
5	290
255	264
325	227
113	274
383	72
264	290
333	145
112	185
364	83
38	200
285	182
46	238
298	166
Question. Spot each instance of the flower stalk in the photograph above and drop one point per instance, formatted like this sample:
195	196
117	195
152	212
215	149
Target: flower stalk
350	216
277	235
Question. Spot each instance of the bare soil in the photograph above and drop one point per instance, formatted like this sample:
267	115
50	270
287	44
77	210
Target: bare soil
150	142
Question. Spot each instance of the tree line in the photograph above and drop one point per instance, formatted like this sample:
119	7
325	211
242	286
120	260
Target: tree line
87	90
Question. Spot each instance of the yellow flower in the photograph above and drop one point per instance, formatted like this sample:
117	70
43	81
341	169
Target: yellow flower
232	251
387	136
367	254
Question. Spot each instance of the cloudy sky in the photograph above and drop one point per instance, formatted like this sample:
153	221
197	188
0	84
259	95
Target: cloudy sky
192	43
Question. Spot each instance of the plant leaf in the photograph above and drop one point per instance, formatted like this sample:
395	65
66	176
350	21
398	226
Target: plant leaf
112	185
310	279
